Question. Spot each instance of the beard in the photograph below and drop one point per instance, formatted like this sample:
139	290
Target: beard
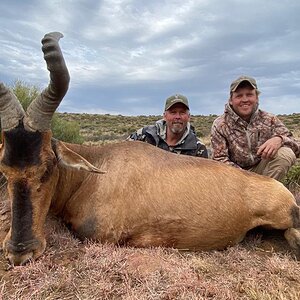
177	128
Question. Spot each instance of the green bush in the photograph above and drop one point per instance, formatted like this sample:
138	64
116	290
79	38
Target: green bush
66	131
292	179
25	93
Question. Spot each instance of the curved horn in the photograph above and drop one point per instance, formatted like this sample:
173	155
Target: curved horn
11	111
41	110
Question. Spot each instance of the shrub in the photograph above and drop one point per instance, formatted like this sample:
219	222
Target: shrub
292	179
25	93
66	131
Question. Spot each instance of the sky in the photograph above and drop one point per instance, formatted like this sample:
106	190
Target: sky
127	56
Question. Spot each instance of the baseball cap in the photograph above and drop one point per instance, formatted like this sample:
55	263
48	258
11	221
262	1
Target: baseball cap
234	85
177	98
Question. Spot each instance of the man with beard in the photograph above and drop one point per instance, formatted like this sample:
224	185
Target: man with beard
174	132
249	138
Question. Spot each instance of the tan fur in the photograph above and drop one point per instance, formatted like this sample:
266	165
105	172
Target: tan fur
152	197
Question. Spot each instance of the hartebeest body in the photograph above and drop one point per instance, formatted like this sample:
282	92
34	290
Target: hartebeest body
146	196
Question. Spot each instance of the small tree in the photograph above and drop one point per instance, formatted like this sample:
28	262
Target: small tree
62	130
25	93
66	131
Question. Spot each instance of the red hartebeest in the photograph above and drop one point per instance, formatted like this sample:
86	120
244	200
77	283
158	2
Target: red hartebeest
146	196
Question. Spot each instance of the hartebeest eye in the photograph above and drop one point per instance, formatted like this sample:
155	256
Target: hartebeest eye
48	172
45	176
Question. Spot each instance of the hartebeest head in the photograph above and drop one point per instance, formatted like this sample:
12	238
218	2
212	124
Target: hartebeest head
29	158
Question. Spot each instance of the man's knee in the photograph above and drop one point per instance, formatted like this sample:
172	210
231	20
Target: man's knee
278	167
286	156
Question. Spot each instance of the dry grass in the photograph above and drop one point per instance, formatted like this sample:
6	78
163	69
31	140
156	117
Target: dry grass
107	128
102	129
72	270
260	268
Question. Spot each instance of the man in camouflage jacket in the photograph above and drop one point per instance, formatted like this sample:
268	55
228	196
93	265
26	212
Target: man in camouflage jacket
174	132
249	138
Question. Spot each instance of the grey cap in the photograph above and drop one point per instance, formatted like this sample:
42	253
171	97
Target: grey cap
234	85
177	98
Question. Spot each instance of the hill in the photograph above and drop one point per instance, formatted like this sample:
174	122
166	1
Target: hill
106	128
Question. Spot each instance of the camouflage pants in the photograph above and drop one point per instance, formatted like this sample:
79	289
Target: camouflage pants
278	166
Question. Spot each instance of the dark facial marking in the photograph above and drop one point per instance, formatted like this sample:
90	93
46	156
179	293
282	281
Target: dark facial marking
21	215
22	148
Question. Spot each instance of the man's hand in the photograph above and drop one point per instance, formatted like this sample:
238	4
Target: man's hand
270	147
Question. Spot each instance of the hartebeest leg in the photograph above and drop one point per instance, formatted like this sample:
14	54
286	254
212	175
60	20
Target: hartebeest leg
292	235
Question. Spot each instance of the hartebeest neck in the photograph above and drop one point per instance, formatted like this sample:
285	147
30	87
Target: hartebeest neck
73	176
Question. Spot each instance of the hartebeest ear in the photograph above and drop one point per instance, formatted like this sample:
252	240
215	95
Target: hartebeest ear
71	159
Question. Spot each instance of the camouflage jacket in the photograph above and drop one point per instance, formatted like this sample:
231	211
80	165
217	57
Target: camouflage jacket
235	142
189	144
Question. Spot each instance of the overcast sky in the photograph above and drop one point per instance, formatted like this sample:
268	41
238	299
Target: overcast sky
127	56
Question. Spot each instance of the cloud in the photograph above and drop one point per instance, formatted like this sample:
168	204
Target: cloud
127	56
